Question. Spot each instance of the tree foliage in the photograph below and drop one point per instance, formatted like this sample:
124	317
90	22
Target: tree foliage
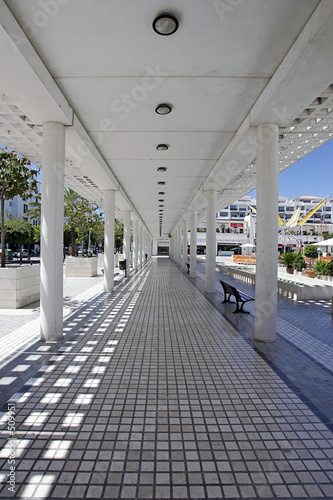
311	251
16	178
34	211
81	215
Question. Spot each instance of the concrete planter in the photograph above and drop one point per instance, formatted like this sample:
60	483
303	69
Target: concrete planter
100	261
81	267
19	286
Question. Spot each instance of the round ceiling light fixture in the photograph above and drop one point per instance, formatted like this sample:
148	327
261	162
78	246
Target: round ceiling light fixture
163	109
165	24
161	169
162	147
161	183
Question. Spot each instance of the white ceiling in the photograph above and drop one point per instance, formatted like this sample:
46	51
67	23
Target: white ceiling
98	67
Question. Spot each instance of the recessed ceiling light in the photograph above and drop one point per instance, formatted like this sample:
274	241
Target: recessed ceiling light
161	193
163	109
161	205
162	147
161	169
165	24
161	183
161	199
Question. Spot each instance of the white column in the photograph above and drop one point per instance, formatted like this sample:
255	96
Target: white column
175	234
139	244
135	244
267	233
109	218
211	241
127	240
178	255
193	245
184	245
52	226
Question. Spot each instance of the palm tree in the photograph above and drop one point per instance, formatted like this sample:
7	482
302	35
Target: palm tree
34	211
71	199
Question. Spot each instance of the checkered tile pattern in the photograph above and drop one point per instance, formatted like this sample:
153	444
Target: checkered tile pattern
157	396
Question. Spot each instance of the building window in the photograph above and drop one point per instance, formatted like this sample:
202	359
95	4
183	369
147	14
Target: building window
25	208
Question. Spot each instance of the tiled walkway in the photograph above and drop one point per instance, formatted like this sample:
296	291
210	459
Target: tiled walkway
155	395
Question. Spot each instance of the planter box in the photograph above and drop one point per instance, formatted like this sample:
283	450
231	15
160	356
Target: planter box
81	267
100	261
19	286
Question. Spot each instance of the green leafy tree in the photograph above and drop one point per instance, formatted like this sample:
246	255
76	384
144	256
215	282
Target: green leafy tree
71	199
97	229
311	251
81	216
36	234
84	217
118	234
19	231
16	178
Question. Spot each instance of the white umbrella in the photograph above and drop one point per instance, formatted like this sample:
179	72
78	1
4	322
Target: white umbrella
324	243
247	245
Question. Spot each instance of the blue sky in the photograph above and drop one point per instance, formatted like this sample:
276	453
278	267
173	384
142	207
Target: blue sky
313	175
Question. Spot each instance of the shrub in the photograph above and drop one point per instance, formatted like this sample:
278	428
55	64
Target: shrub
299	262
319	268
329	268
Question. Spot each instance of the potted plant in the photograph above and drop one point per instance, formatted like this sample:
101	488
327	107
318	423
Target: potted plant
287	259
311	252
299	262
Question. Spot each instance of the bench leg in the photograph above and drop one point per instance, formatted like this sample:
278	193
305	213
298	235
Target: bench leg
226	298
241	310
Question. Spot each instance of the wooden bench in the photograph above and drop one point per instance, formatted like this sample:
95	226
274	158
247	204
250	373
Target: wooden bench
241	298
188	267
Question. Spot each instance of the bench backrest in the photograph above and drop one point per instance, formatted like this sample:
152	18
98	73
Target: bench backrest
230	289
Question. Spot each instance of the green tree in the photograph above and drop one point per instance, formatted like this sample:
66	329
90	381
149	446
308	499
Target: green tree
36	234
19	231
97	229
118	234
71	199
311	251
34	211
16	178
81	216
